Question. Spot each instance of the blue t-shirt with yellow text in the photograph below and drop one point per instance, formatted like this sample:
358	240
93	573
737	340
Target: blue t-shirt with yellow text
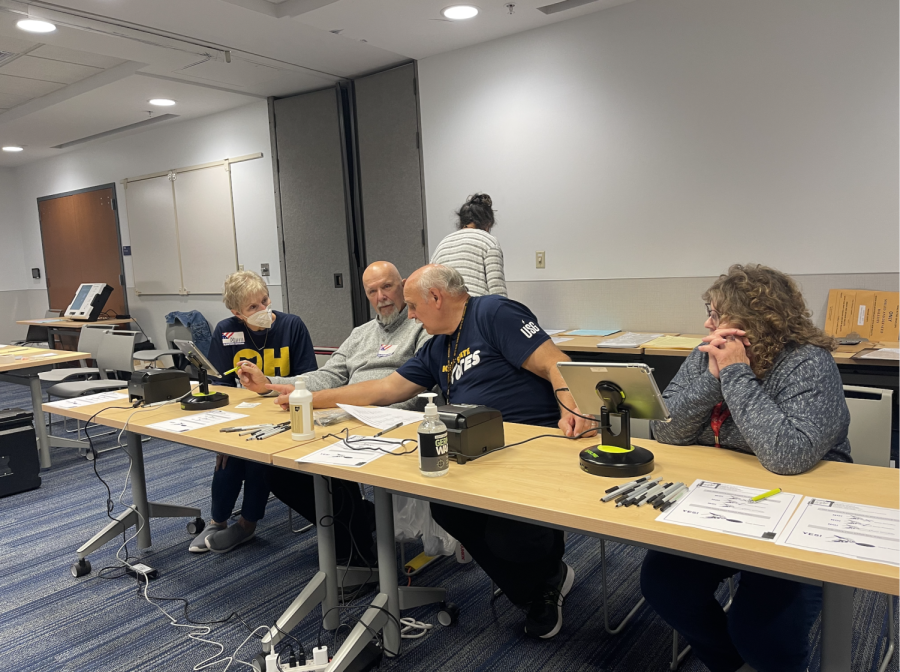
284	349
496	337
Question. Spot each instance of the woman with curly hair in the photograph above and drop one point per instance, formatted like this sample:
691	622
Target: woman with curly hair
764	383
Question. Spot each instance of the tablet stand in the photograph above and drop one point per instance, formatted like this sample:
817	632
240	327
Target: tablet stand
615	456
203	400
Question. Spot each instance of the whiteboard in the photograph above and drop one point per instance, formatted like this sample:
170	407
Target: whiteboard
153	233
205	228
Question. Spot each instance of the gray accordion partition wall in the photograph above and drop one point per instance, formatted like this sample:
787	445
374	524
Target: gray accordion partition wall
348	168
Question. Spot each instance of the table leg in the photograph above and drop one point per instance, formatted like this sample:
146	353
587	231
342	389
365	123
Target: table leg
837	627
327	550
40	426
139	487
387	566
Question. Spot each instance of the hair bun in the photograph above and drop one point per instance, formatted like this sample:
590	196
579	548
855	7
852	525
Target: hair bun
481	199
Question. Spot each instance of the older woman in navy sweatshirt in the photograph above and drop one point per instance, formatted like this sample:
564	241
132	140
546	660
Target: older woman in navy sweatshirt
764	383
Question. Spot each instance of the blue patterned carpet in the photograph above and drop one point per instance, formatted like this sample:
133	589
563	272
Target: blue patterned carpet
51	621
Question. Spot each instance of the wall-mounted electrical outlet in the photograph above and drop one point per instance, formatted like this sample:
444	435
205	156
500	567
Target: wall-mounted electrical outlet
240	267
264	270
539	260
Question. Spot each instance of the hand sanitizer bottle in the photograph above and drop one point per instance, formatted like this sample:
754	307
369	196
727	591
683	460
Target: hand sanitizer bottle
434	449
300	403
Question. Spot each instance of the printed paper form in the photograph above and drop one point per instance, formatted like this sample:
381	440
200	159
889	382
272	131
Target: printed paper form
553	332
856	531
627	340
557	340
883	353
674	342
722	507
382	418
358	453
89	399
196	421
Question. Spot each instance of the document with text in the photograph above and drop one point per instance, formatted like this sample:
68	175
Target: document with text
196	421
857	531
89	400
355	451
382	418
722	507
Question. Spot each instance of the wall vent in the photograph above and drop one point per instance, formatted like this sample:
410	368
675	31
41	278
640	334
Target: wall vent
96	136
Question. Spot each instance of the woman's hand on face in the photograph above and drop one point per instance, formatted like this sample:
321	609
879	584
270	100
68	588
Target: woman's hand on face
739	334
727	350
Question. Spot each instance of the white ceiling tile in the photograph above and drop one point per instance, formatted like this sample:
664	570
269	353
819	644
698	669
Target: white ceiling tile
22	86
16	45
74	56
47	70
8	100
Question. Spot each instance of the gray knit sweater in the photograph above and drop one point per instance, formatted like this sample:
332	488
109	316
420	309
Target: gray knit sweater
790	420
371	351
476	254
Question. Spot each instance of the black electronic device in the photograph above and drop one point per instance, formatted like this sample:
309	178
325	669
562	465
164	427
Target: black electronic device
472	431
20	469
152	386
89	300
201	399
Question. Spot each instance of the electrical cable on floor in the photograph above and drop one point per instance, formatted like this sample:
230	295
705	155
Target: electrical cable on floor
413	629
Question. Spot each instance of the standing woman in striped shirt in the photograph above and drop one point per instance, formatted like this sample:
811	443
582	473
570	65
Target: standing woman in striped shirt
472	250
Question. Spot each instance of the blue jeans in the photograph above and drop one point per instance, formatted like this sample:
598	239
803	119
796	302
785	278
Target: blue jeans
226	486
767	626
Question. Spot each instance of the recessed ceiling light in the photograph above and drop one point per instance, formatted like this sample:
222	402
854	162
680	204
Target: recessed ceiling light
459	12
35	26
161	102
12	148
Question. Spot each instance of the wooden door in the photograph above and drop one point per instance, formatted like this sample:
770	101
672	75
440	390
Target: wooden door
80	235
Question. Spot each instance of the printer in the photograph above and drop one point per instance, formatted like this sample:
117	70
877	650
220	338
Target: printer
155	385
472	431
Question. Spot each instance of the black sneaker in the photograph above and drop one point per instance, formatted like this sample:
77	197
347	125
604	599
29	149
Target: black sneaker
544	617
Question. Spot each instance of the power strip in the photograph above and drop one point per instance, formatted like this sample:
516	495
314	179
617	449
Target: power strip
319	662
140	569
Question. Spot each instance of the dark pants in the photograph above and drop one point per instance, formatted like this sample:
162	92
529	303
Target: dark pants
767	626
521	558
353	516
226	486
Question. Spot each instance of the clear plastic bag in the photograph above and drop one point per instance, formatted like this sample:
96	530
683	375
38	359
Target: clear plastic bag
330	416
412	519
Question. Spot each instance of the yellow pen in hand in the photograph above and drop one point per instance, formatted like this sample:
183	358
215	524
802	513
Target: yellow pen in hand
234	369
764	495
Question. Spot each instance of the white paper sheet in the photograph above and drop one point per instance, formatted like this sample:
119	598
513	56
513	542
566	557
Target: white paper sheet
722	507
857	531
628	340
553	332
246	404
882	353
89	399
382	418
196	421
364	450
558	340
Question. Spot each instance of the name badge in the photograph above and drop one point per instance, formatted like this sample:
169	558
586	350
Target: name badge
387	350
232	338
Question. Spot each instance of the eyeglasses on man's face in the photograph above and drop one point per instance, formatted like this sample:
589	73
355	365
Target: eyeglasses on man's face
713	315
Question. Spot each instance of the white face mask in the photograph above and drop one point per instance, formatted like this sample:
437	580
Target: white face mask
262	319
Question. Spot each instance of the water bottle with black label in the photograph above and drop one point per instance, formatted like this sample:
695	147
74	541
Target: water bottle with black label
434	449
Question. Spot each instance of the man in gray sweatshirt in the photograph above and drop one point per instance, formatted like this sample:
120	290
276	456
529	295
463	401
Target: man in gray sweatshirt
372	351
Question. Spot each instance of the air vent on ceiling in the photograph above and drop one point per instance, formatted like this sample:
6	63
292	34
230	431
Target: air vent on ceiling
6	56
145	122
563	6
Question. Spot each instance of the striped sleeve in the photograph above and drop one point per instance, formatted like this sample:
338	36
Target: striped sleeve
477	256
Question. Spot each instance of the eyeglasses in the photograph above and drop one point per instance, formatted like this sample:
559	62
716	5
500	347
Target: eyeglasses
713	315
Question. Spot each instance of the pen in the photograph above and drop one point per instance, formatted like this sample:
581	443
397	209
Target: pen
761	497
674	501
669	495
235	368
619	492
642	488
661	493
625	485
241	429
389	429
261	434
277	430
650	493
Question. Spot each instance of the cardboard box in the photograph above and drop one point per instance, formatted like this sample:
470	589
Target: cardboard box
873	315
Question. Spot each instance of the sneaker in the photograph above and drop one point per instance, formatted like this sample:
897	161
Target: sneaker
198	545
224	540
544	617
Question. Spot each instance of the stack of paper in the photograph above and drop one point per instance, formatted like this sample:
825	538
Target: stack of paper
196	421
627	340
382	418
883	353
674	342
592	332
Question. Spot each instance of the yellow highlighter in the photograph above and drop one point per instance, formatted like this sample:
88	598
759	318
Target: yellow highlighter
764	495
235	368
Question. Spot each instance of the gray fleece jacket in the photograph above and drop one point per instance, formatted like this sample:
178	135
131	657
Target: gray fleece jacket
371	352
790	420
